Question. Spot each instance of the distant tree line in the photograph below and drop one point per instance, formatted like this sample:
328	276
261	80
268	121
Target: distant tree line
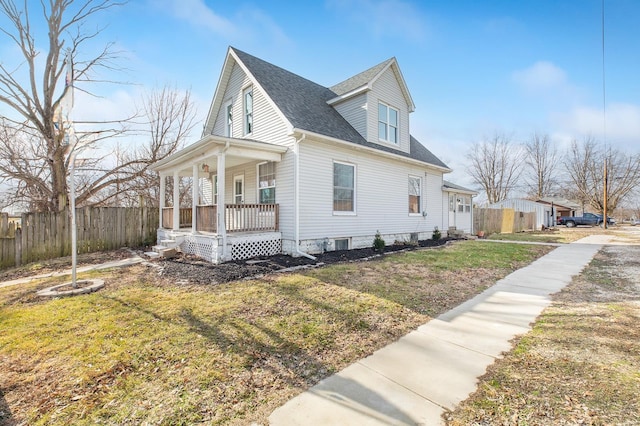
536	169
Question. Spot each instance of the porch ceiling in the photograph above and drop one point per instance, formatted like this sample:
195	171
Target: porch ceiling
206	150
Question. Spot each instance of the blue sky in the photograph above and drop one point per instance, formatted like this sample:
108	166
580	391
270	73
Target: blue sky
473	67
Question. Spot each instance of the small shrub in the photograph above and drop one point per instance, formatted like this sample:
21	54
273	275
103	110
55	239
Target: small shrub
436	234
378	242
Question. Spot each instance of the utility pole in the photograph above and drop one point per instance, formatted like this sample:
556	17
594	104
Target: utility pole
604	201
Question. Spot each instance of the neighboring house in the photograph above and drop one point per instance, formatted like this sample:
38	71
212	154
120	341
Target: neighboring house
286	165
561	206
543	211
458	203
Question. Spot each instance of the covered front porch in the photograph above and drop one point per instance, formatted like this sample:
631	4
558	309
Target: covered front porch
219	225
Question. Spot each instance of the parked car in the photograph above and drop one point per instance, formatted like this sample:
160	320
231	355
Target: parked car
589	219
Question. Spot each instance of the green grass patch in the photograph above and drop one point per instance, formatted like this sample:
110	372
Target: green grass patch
147	351
579	364
435	280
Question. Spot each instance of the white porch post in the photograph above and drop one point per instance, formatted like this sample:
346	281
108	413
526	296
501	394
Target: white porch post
221	225
163	190
195	191
176	201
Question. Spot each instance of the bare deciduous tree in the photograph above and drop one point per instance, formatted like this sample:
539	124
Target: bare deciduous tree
35	137
541	165
32	90
170	117
585	163
495	165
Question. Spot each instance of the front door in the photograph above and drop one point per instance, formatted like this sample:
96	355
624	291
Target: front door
238	189
453	205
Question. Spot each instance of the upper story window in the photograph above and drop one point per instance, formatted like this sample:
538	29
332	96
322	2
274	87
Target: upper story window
387	123
344	188
248	110
228	126
267	183
415	189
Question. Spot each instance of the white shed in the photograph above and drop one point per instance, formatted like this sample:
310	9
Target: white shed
543	211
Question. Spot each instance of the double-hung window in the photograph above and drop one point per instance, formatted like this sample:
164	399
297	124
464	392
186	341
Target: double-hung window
464	204
387	123
344	187
267	183
228	125
415	189
248	110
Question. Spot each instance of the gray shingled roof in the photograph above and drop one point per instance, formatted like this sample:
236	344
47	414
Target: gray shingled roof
452	185
304	104
359	80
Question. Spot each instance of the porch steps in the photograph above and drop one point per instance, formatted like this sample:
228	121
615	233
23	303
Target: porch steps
168	243
455	233
165	251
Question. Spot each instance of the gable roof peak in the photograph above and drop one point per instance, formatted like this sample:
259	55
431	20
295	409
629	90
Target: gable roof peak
362	78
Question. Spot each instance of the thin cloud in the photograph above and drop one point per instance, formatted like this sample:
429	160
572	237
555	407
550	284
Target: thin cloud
622	123
247	24
197	13
541	76
384	17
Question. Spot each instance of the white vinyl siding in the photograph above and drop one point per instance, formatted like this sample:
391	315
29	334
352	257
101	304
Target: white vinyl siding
268	124
354	110
387	91
381	194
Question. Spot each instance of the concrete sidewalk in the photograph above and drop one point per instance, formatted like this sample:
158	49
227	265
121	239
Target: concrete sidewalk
432	369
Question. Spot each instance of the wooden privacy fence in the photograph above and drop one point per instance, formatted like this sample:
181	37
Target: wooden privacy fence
47	235
503	221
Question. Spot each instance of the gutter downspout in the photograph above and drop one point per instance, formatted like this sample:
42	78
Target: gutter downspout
296	201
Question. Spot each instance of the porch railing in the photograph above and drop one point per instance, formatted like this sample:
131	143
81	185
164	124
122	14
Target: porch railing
238	217
167	217
252	217
206	218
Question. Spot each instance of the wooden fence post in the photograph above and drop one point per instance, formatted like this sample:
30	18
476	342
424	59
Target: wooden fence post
18	246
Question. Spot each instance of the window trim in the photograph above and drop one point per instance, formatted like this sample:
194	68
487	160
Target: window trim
275	181
245	113
342	240
355	186
419	212
228	126
464	206
388	125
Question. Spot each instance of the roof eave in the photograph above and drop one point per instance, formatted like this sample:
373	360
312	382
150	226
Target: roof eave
356	146
362	89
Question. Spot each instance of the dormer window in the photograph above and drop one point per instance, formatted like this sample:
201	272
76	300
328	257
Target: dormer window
248	110
387	123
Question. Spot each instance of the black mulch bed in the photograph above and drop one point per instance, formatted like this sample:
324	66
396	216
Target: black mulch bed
191	269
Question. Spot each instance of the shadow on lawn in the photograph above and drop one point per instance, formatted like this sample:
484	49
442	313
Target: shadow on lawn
6	417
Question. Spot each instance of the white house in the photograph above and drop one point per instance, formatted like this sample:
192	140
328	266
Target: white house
458	203
286	165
